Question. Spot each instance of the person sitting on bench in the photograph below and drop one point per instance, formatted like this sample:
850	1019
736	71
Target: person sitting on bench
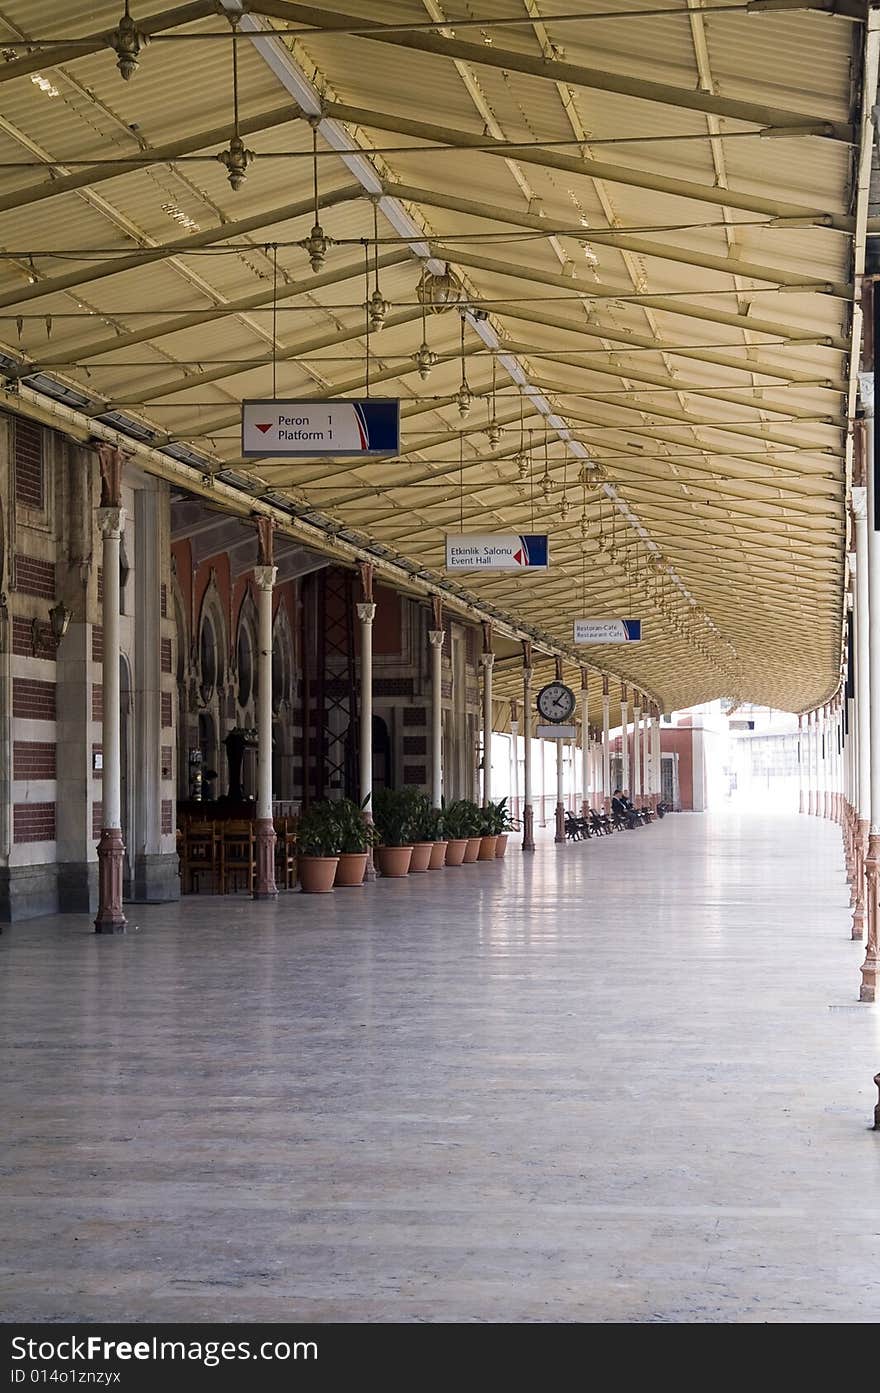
622	809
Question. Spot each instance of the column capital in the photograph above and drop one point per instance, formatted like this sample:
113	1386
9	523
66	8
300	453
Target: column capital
436	637
111	521
859	496
366	611
264	577
487	660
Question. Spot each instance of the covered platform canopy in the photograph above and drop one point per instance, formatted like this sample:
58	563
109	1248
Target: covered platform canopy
627	238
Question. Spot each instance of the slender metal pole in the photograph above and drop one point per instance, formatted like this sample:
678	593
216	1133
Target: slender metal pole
863	699
624	737
264	878
606	745
436	638
871	965
528	842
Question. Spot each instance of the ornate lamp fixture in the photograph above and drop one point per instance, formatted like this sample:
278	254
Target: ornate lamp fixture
59	622
317	243
439	292
237	157
127	42
377	306
425	358
463	396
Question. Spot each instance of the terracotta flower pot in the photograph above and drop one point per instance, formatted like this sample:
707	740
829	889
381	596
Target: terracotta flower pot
393	860
472	851
316	874
500	846
351	869
421	856
487	847
455	850
438	856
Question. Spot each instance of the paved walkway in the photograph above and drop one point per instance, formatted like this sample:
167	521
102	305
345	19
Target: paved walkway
620	1081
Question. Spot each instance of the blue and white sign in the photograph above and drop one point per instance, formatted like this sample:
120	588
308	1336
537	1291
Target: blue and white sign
607	631
366	426
503	551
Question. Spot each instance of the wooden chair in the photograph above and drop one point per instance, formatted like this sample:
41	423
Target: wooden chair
285	852
238	856
200	854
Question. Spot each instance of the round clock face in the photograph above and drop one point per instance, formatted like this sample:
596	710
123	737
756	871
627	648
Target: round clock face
556	702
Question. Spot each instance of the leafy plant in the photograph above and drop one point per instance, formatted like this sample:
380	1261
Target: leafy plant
318	831
497	818
432	825
463	819
356	833
394	816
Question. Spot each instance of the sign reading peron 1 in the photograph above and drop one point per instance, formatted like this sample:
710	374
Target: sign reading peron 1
503	551
366	426
607	631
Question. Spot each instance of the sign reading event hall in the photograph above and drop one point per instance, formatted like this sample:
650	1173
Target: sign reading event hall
503	551
607	631
365	426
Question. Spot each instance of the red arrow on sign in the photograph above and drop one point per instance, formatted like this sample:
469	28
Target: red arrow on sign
518	557
260	427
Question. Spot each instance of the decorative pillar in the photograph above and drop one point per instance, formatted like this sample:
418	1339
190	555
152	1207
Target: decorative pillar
366	613
862	697
606	743
111	849
800	762
814	774
637	742
658	759
487	658
871	965
514	771
264	578
436	637
826	758
528	841
624	737
585	743
560	774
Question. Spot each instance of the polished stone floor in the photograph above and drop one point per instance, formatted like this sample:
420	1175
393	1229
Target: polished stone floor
620	1081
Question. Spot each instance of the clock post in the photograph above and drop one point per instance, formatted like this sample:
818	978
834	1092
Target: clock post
528	841
560	792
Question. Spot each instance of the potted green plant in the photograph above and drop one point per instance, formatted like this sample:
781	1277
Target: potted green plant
422	831
503	824
393	816
488	835
434	830
318	841
357	837
461	820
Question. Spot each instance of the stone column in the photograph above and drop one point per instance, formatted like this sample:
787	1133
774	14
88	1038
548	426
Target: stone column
111	850
366	613
606	744
637	744
658	759
585	743
624	737
514	770
862	704
528	842
487	659
871	964
264	578
813	764
436	638
800	763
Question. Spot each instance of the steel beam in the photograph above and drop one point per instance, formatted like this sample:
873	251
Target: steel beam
621	240
576	75
587	168
157	154
239	227
288	290
44	58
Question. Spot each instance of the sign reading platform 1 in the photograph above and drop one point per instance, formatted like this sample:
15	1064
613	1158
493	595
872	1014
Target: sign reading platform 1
366	426
501	551
607	630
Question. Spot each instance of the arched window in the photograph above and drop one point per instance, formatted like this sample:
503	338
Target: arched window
245	664
208	659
